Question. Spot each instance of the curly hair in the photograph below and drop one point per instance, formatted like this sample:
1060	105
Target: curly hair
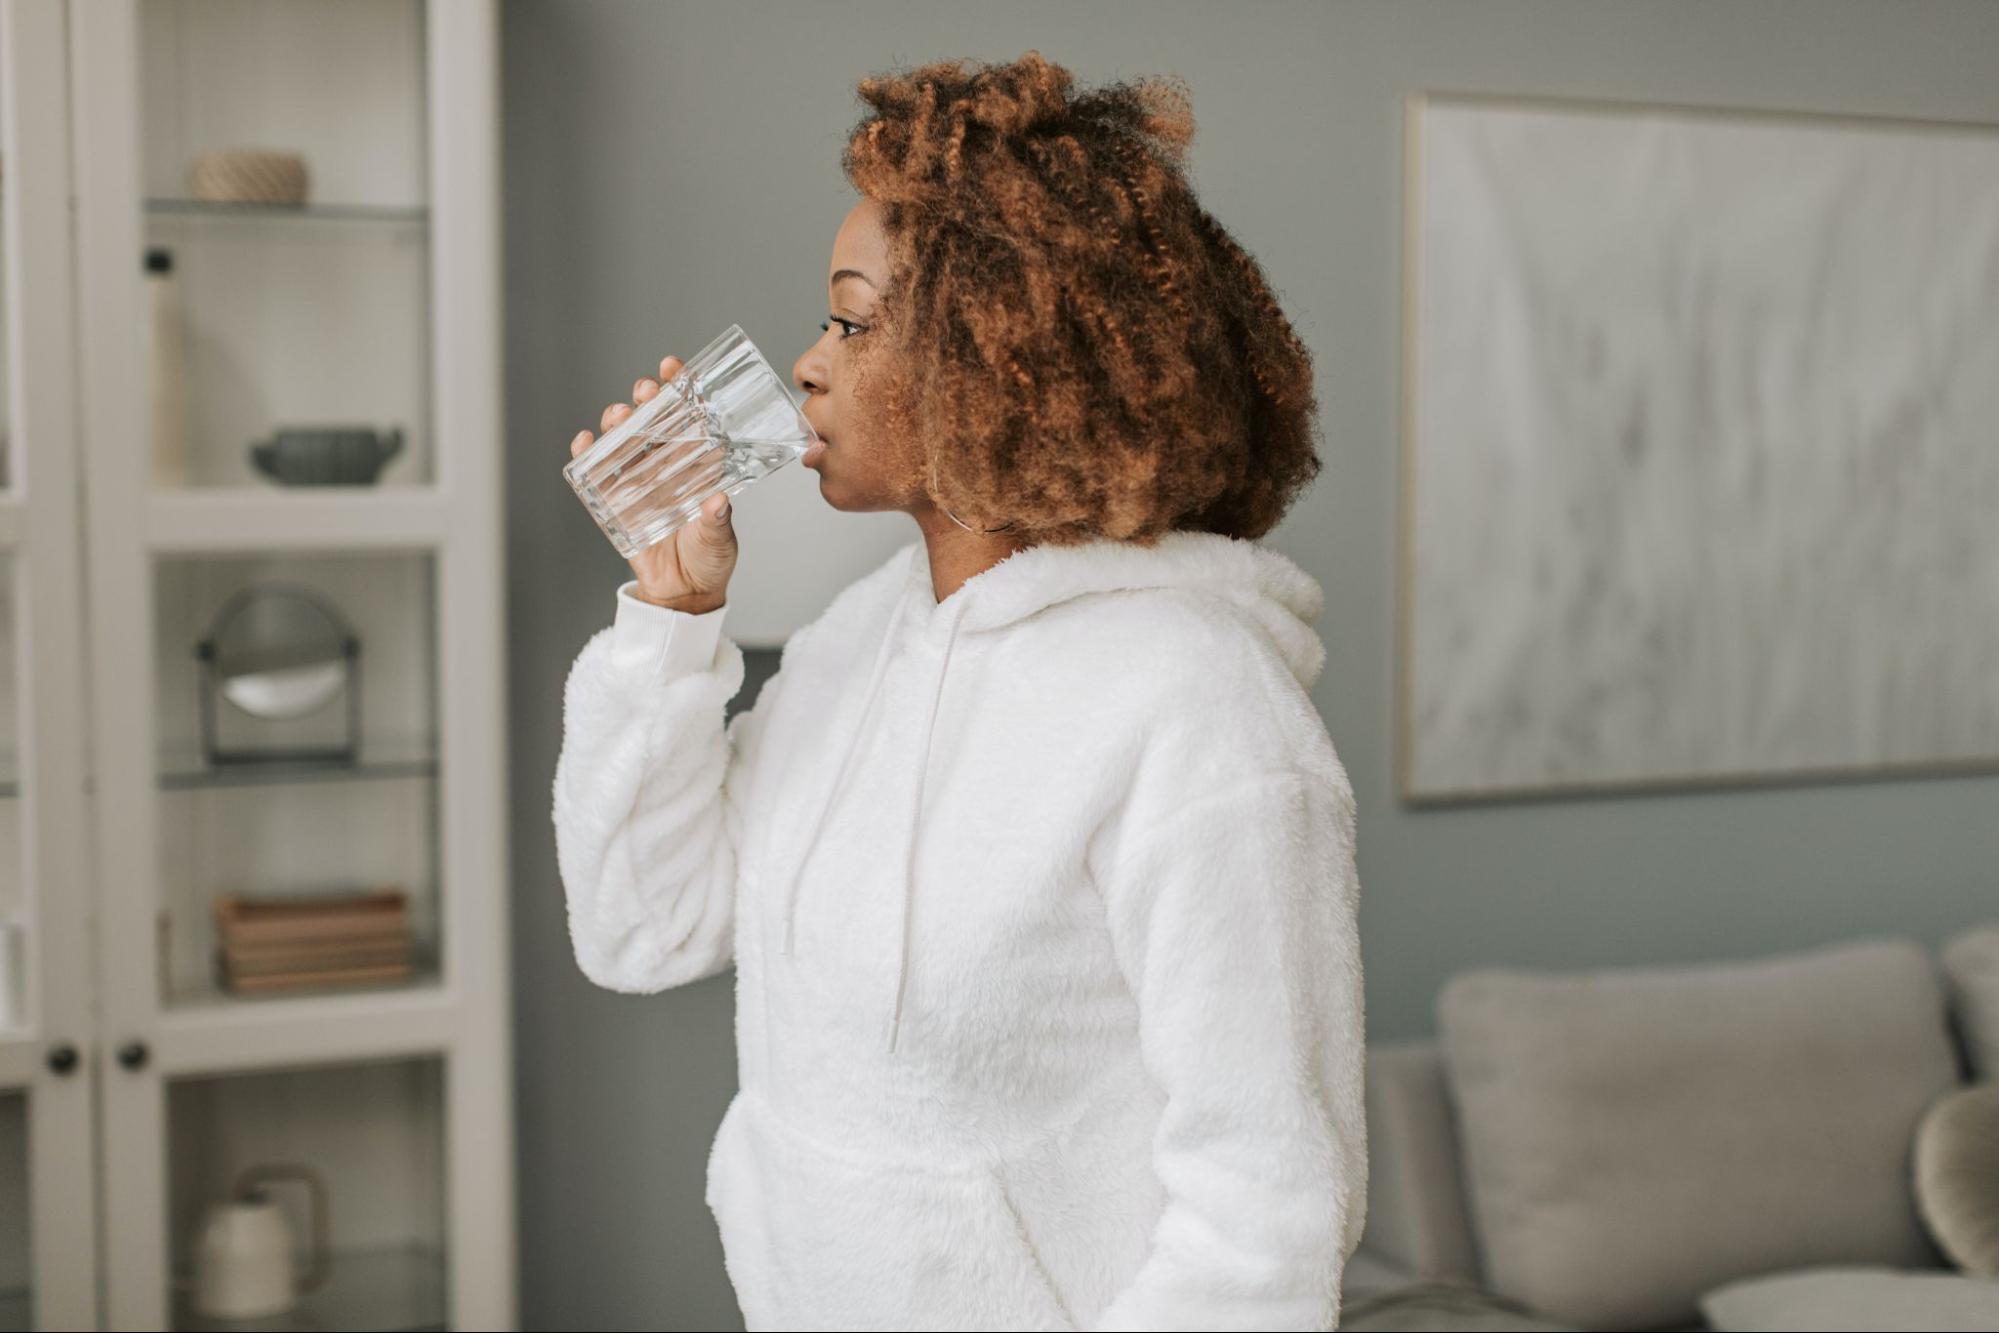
1071	347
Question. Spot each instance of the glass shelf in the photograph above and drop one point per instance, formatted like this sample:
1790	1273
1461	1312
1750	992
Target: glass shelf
182	768
269	827
402	215
205	992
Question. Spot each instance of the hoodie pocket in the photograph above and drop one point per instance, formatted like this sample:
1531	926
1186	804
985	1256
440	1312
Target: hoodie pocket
816	1235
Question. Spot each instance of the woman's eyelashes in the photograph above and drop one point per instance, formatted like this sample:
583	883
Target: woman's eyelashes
847	326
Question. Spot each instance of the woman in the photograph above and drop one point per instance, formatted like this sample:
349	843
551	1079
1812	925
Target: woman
1034	859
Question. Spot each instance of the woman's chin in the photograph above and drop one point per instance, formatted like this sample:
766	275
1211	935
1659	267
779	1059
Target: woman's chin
829	487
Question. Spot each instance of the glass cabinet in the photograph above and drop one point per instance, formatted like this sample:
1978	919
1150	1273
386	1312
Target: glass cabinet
253	828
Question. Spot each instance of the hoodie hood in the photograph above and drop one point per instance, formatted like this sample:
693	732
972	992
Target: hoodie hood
1279	597
1282	598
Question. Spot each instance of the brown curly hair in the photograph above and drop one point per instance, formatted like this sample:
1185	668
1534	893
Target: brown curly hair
1070	347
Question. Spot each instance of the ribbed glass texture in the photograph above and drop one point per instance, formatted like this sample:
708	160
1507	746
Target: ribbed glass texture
726	420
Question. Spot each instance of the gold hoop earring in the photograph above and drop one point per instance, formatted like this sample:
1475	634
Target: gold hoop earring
968	527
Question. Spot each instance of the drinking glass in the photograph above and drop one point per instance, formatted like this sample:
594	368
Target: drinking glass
725	420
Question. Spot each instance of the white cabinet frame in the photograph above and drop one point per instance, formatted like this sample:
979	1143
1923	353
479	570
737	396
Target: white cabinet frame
39	537
457	520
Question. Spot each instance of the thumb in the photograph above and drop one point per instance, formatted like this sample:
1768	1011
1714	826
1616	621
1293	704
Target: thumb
713	528
708	543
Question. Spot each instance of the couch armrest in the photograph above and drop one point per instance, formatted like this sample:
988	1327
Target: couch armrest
1418	1214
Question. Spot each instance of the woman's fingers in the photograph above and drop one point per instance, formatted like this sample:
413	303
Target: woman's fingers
668	367
645	389
613	414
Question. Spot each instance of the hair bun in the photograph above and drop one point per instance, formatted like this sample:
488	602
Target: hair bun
1167	114
1014	98
925	120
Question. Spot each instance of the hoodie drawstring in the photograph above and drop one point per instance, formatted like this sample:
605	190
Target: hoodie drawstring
911	827
834	788
915	824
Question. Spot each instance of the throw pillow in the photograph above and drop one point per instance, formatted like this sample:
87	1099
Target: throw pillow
1971	963
1957	1176
1635	1136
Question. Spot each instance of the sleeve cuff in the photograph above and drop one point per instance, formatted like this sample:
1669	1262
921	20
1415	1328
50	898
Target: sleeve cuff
659	641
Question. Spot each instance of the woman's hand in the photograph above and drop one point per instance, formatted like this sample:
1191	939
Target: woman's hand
690	570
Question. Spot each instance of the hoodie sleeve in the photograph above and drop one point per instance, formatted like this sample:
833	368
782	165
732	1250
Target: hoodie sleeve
1234	919
646	811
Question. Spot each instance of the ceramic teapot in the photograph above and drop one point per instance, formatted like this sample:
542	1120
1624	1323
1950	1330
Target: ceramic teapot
244	1266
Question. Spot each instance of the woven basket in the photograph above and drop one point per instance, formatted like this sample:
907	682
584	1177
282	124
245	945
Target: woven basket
248	176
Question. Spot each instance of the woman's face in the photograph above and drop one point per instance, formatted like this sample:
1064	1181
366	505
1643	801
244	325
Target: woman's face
856	471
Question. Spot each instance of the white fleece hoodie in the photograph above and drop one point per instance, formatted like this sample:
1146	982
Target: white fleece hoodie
1042	904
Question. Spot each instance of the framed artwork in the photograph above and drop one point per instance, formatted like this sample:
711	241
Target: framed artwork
1699	473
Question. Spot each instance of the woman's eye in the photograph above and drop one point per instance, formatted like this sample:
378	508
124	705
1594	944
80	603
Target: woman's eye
847	326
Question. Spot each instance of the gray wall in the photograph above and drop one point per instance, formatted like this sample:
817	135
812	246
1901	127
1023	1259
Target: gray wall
674	168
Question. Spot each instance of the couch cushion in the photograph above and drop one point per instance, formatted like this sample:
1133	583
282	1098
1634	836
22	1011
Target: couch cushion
1632	1137
1971	963
1858	1298
1444	1307
1416	1207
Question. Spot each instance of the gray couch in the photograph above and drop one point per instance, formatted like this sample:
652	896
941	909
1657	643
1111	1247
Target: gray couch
1604	1149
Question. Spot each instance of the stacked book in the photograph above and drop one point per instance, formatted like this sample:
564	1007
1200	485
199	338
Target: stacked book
268	942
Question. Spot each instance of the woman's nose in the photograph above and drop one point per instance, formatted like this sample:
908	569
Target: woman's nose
805	372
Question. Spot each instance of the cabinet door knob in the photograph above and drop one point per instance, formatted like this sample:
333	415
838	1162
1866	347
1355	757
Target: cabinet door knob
132	1055
62	1057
